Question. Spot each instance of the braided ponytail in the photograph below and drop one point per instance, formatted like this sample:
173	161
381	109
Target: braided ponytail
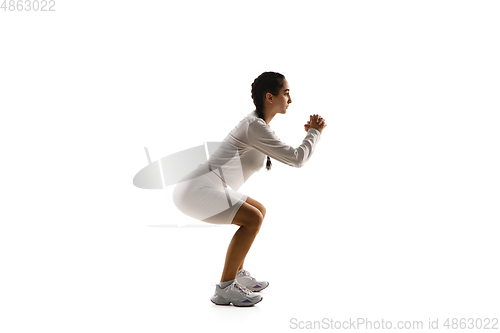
266	82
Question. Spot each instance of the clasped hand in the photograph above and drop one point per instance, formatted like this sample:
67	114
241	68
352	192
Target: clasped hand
316	122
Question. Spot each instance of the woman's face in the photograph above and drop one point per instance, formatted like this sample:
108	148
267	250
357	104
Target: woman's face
280	102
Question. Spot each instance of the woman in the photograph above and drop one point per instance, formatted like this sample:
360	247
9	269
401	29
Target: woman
204	193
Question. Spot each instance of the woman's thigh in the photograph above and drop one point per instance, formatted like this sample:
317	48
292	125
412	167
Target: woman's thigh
206	203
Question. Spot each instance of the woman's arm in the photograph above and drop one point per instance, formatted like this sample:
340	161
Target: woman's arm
262	138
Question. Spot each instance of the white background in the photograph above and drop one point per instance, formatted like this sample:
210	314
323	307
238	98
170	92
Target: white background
395	216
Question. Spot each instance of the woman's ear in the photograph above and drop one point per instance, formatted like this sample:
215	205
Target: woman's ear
269	97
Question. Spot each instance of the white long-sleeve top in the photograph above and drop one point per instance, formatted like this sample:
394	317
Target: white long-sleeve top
244	150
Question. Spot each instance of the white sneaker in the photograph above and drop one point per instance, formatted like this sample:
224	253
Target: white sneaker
245	279
235	293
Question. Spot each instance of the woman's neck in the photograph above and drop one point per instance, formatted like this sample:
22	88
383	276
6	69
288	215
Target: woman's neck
267	117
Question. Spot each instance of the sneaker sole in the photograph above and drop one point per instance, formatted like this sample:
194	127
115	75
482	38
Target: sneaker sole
223	301
242	306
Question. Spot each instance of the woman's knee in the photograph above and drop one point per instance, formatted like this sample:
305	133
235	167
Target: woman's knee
257	205
263	211
249	217
254	220
257	222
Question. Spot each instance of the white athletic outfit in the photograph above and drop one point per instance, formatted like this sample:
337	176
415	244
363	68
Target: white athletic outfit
202	195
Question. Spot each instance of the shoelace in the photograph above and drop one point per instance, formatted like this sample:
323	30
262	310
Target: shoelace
244	289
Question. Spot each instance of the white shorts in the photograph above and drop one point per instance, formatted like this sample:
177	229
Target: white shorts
202	196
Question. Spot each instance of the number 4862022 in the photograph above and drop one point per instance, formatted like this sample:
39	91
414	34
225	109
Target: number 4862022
28	5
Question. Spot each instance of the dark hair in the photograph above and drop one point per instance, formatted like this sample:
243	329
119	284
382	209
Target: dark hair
266	82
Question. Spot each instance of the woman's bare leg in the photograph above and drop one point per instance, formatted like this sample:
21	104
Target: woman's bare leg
262	210
241	265
249	218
